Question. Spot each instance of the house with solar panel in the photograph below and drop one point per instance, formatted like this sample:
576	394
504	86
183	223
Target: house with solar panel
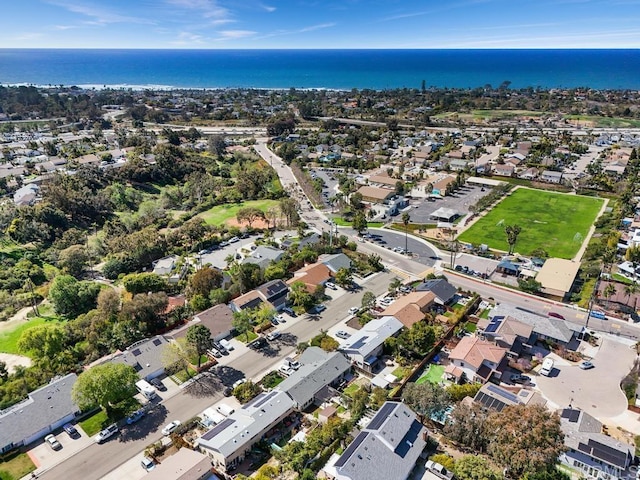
387	448
228	443
497	398
145	356
274	292
592	453
364	348
507	332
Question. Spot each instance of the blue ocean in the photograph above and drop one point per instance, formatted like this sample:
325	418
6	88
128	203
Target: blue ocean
330	69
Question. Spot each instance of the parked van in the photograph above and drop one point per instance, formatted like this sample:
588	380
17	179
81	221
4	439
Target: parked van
146	389
291	363
547	366
225	409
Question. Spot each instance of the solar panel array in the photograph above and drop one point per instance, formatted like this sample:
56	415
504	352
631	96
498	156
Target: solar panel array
503	393
490	402
266	398
351	448
136	352
494	324
605	453
157	342
359	343
227	422
381	416
571	415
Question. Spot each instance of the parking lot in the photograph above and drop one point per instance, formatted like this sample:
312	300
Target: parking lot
459	201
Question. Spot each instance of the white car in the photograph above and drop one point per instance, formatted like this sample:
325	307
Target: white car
331	285
342	334
171	427
285	370
353	310
226	344
106	433
53	442
237	383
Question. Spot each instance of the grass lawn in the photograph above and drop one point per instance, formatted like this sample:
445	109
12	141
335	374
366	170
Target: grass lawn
470	327
351	389
15	466
9	339
401	372
242	337
222	213
341	222
622	279
555	222
94	423
432	375
182	376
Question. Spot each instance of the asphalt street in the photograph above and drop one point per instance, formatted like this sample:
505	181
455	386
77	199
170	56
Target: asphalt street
97	460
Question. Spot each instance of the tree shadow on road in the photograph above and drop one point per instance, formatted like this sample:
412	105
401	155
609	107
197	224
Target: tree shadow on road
153	419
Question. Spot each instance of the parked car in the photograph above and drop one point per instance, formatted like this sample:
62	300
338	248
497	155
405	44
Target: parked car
518	378
586	365
273	335
318	308
331	285
555	315
106	433
214	353
71	430
257	344
156	382
135	416
285	370
234	240
147	464
220	348
598	314
274	321
289	311
239	382
171	427
353	310
281	318
53	442
342	334
226	344
227	392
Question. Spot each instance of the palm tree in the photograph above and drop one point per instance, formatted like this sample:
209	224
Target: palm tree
631	289
512	232
406	218
609	291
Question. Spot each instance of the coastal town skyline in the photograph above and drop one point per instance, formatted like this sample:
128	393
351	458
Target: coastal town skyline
258	24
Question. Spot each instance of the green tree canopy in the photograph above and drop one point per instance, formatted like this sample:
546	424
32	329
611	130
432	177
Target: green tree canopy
243	322
71	297
205	280
73	260
199	337
473	467
426	399
104	385
344	277
144	283
45	340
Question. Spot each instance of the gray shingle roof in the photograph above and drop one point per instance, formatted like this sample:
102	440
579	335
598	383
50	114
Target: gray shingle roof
317	370
440	287
335	262
542	325
246	425
44	407
371	336
388	448
144	356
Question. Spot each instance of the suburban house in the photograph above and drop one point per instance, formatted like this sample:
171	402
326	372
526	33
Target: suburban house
218	319
185	464
251	299
382	180
145	356
319	370
551	176
507	332
26	195
440	184
477	359
228	442
166	267
273	292
496	398
335	261
263	255
444	292
302	242
364	347
557	275
544	327
313	275
504	170
594	454
530	174
458	164
388	447
410	308
44	410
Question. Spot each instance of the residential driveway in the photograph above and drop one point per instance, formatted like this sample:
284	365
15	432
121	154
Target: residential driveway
44	457
596	391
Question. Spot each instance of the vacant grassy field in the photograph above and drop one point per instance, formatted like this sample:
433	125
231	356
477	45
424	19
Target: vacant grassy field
9	339
555	222
223	213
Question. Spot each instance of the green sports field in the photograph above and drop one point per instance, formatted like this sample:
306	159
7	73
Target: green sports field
222	213
555	222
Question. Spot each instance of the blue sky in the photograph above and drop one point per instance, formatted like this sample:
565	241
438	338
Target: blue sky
320	24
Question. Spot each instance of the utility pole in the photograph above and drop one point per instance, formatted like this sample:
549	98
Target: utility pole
32	297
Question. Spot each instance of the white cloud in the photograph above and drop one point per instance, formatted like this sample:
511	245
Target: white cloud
269	8
235	34
207	8
99	16
310	28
